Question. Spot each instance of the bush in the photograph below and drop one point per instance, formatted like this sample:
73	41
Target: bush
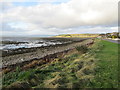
82	49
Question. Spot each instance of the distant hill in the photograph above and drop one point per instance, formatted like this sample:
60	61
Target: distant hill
78	35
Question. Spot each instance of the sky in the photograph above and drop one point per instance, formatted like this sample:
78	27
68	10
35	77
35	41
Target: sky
54	17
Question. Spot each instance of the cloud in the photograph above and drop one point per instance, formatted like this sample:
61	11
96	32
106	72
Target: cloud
34	1
55	18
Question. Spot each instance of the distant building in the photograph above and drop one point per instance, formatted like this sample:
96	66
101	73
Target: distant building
102	36
113	35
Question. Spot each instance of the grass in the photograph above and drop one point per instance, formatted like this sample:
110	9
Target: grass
82	49
58	74
106	75
97	68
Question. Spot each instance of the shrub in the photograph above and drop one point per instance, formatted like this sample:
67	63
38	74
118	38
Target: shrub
82	49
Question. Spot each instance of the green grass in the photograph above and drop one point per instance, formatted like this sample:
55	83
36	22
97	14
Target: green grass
40	75
82	49
107	66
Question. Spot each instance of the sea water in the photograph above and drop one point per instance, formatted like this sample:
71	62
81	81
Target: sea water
25	42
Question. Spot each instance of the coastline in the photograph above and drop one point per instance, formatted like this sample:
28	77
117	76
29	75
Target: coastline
26	58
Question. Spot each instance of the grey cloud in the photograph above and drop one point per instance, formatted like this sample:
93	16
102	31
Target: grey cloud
65	17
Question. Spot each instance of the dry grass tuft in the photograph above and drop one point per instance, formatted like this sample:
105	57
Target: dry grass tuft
52	83
19	85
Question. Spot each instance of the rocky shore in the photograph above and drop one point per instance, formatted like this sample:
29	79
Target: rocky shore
40	52
62	41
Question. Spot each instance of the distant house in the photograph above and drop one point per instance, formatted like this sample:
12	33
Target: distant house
118	35
101	35
108	35
113	35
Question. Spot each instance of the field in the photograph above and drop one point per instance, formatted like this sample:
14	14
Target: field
95	68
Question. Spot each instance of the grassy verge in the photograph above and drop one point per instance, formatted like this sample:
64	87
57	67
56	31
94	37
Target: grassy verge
97	68
107	66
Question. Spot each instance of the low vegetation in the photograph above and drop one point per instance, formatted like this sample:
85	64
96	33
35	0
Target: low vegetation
78	35
95	67
82	49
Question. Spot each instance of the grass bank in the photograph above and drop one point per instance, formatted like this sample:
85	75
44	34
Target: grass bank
107	65
97	68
